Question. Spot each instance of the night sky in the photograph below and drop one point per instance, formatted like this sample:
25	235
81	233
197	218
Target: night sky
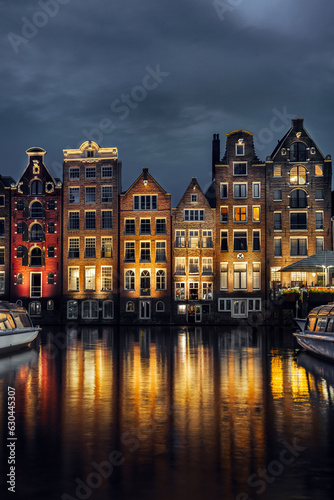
157	79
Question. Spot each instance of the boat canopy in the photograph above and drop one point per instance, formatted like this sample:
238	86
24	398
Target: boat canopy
325	310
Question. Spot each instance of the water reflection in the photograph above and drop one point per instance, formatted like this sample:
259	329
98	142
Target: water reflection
195	413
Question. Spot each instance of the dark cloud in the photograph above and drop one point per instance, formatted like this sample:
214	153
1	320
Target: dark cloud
223	74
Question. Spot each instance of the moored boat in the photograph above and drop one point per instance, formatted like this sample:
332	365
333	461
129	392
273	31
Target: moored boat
318	333
16	328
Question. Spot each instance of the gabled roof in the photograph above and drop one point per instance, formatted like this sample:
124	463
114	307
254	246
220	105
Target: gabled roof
296	127
38	152
144	175
195	186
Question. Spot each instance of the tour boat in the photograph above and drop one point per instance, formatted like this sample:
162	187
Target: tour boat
16	328
317	336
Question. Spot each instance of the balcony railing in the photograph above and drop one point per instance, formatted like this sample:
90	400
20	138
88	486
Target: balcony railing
36	291
180	243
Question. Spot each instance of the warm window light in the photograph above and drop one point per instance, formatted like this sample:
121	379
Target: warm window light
145	182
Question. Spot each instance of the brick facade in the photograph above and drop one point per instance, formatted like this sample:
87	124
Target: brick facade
193	222
90	233
36	226
145	252
5	236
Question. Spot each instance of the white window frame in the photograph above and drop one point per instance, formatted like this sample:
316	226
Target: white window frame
220	276
259	272
235	184
221	189
256	185
236	207
235	163
103	268
224	305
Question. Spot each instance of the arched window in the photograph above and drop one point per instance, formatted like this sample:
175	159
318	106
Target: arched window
160	307
298	175
145	283
36	210
36	257
51	204
51	279
51	227
35	308
50	305
20	204
19	252
51	251
36	188
130	306
129	280
36	233
298	199
19	279
160	281
298	152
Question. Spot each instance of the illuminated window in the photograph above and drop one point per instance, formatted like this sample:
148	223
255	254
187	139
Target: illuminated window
72	309
51	279
129	226
298	199
160	226
223	241
90	248
106	194
180	238
51	251
298	247
240	190
73	279
298	221
207	241
223	214
160	279
193	238
90	220
50	305
256	276
73	221
180	266
74	173
145	202
240	168
319	220
106	219
240	276
193	291
90	172
73	248
180	291
240	214
194	215
275	274
145	226
160	251
193	265
106	171
278	171
298	152
129	280
298	175
207	266
19	279
319	170
90	194
223	276
240	241
130	306
106	278
145	251
145	283
277	247
129	251
181	309
106	247
256	241
240	148
223	190
319	243
73	195
207	291
90	278
256	214
36	210
36	188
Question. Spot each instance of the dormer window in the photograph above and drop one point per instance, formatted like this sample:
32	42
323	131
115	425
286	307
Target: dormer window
90	153
36	188
240	148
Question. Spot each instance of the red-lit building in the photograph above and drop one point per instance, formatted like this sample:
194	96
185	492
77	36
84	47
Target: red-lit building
36	238
5	218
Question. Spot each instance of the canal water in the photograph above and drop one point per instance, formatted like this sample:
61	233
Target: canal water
168	413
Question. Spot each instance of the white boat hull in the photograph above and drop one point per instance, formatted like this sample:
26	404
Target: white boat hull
321	345
17	339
